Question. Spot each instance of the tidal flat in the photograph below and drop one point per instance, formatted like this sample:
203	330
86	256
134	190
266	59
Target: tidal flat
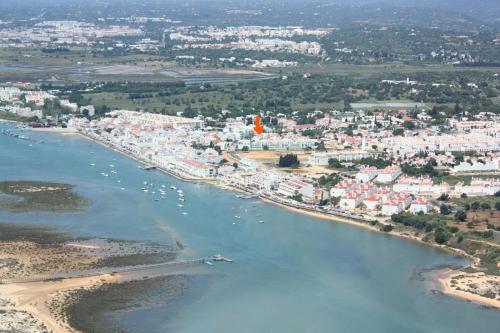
29	196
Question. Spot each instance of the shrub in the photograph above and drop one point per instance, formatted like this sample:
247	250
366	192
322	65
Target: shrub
461	216
441	236
387	228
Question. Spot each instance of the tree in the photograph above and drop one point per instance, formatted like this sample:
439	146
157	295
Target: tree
444	210
485	206
235	165
441	236
475	206
461	216
245	148
288	161
387	228
297	196
398	131
334	163
497	205
409	125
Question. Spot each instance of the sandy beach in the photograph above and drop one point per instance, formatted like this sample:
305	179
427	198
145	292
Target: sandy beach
36	298
474	287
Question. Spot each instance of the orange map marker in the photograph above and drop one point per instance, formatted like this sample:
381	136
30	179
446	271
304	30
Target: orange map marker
258	127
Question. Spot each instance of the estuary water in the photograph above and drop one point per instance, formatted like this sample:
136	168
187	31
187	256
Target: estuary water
292	273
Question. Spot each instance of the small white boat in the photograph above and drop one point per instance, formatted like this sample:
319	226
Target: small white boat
179	191
163	186
145	183
118	181
180	205
122	188
173	187
237	216
111	166
181	199
92	164
209	263
146	191
184	213
261	221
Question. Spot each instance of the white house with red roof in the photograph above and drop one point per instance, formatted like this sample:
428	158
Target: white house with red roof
396	204
367	174
343	187
389	174
420	205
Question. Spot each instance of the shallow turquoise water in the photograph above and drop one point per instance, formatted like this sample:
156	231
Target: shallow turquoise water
293	273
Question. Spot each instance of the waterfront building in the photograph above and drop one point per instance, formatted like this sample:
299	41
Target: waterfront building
293	186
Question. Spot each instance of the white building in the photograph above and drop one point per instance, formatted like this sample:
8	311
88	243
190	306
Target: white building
478	166
321	159
478	187
389	174
419	205
293	186
420	186
366	175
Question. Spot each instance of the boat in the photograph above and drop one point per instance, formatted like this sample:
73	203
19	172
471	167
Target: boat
209	263
219	257
182	199
180	205
184	213
261	221
237	216
122	188
92	164
145	183
243	196
157	199
118	181
111	166
179	191
173	187
163	186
